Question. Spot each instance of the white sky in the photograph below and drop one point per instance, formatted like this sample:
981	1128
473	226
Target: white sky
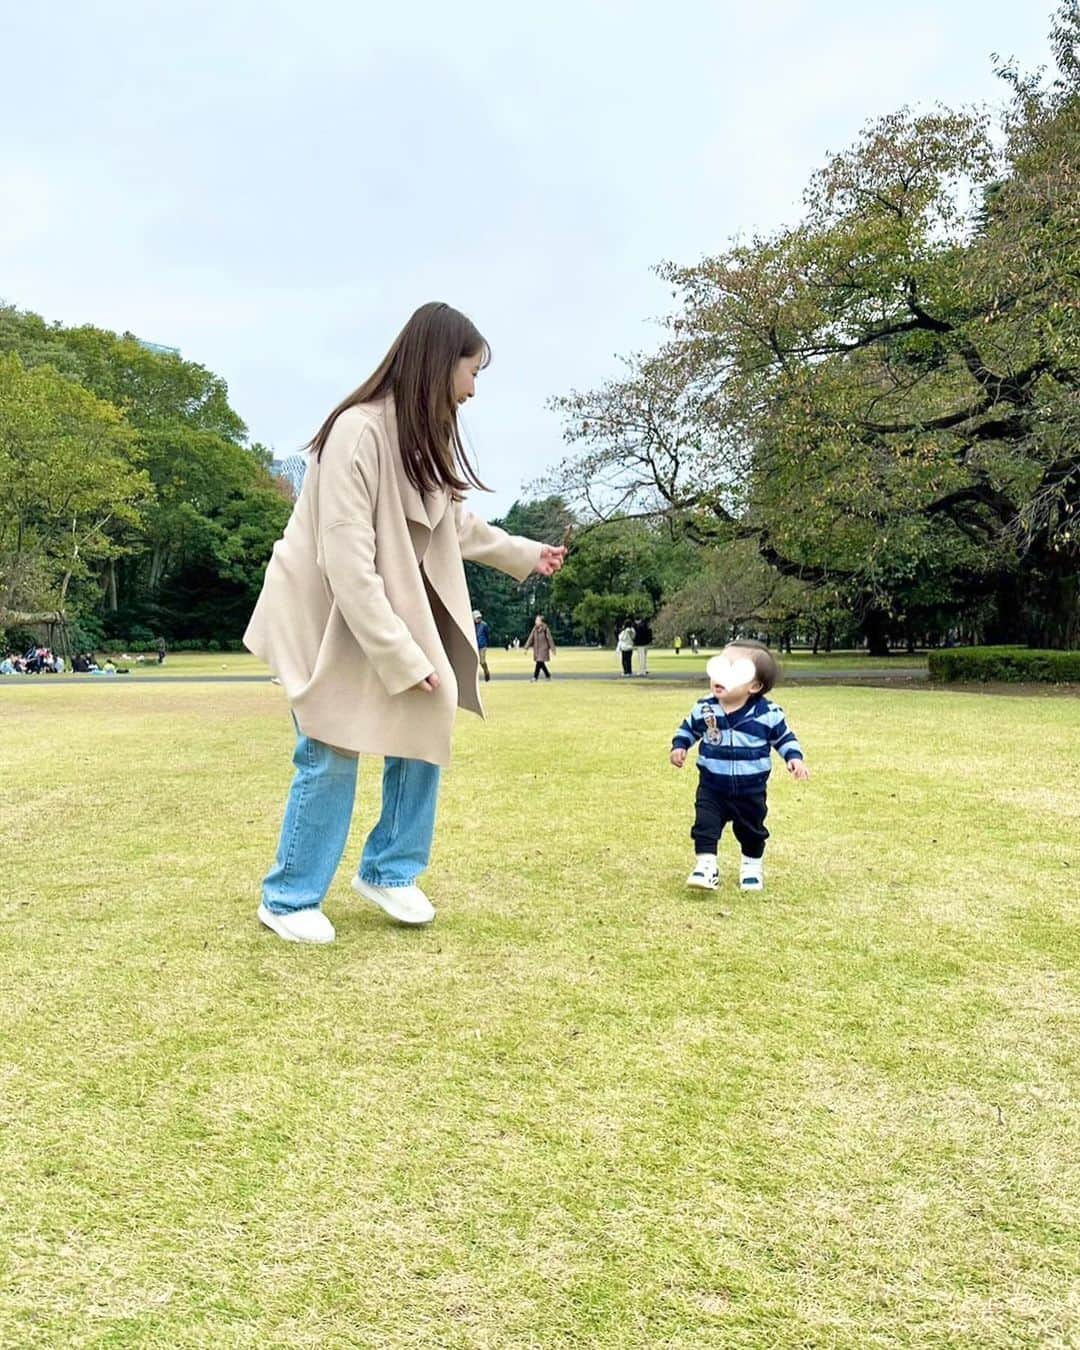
273	187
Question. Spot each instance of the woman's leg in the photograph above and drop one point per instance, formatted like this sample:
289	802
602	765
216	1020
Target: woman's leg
547	673
536	669
399	847
315	828
627	657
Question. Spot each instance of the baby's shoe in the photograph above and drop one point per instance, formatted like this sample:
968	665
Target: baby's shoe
706	875
752	874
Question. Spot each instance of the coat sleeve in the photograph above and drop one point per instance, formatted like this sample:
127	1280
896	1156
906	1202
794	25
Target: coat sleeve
348	486
487	544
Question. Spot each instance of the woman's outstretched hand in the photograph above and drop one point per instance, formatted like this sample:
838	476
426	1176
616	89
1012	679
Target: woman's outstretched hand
551	559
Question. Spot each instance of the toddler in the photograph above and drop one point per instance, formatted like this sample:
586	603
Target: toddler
737	726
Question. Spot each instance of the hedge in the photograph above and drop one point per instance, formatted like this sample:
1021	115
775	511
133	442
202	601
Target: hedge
115	644
1011	665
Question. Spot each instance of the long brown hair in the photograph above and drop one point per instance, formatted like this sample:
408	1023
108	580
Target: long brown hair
419	371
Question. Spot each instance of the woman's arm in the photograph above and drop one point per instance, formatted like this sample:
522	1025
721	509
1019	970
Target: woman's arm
492	547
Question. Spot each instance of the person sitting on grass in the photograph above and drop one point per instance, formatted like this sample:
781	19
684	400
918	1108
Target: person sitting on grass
735	727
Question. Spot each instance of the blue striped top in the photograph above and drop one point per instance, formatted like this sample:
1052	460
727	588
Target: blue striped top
734	748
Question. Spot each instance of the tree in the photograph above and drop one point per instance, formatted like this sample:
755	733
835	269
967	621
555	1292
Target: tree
185	561
883	398
612	573
71	481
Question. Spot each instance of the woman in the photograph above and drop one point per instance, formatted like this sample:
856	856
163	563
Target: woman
543	647
365	619
625	647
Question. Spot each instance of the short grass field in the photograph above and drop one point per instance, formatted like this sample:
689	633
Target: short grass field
587	1107
567	661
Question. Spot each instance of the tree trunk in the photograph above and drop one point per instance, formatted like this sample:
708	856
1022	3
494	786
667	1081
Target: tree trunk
1055	606
875	628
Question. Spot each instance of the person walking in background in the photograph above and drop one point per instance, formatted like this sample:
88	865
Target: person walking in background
543	647
365	618
483	638
677	644
161	652
624	645
642	643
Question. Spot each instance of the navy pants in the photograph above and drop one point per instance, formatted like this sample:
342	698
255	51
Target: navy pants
713	809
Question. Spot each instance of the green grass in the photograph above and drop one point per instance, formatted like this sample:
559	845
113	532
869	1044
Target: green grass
568	660
587	1107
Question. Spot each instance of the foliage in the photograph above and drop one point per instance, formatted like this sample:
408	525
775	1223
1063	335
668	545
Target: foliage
882	398
130	499
72	484
1014	665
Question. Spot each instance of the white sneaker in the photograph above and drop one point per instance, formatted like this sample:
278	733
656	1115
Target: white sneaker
705	876
302	925
406	904
751	874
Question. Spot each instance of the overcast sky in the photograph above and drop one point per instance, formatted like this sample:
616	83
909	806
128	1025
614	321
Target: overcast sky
274	186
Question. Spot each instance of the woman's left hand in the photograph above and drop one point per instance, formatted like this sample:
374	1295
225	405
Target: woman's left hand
551	559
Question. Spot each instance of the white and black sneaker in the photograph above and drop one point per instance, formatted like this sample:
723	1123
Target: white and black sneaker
752	874
705	876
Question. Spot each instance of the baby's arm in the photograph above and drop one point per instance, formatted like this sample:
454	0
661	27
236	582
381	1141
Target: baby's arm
688	734
786	744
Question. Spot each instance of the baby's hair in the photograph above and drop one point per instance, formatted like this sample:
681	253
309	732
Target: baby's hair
766	667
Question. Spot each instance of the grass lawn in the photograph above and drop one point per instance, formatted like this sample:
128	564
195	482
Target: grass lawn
568	660
587	1107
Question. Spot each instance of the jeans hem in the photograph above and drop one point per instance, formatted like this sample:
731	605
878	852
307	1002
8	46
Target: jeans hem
389	885
280	911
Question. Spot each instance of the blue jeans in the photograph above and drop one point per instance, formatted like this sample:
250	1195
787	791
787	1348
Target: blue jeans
316	826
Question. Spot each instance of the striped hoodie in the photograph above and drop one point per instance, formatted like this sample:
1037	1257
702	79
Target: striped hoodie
733	755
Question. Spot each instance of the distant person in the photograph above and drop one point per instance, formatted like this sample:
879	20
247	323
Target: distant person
677	644
483	638
695	645
736	727
543	647
642	643
624	645
7	665
365	618
161	651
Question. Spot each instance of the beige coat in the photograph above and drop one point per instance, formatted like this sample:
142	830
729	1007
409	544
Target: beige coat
365	595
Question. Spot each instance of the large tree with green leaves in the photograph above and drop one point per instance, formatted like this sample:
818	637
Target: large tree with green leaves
883	398
189	561
72	486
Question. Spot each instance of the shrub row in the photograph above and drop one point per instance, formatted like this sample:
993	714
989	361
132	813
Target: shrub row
114	644
1011	665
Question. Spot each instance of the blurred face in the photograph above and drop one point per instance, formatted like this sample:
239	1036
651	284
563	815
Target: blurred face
465	373
732	674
